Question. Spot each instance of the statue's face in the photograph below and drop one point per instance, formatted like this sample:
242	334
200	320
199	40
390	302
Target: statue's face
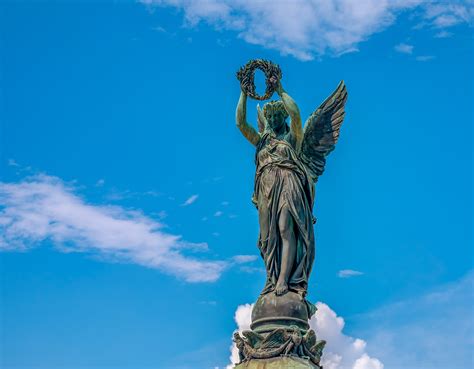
275	119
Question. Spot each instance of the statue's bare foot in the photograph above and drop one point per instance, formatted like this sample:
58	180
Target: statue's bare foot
281	288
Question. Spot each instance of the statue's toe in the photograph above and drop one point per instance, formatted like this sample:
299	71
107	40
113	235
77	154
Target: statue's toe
281	288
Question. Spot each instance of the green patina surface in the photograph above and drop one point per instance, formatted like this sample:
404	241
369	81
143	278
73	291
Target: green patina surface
278	363
289	159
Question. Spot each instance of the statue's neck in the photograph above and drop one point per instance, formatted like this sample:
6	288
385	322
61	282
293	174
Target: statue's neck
279	132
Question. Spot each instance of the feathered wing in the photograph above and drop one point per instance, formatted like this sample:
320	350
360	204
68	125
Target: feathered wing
253	338
275	338
321	131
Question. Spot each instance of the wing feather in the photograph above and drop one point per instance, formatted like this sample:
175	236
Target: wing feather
321	131
275	339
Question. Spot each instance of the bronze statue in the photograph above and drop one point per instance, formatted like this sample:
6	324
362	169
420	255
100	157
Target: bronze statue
289	160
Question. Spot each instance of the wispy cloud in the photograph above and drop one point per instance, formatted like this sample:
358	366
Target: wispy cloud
12	163
306	29
347	273
190	200
162	214
303	30
42	208
425	58
443	34
159	29
218	213
252	269
437	328
239	259
404	48
443	14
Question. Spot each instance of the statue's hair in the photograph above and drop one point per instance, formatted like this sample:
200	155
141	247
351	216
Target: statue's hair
275	106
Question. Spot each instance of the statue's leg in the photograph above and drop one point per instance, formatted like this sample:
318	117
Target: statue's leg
288	250
264	218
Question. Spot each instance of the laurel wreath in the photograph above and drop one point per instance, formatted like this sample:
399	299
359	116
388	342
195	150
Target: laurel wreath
246	75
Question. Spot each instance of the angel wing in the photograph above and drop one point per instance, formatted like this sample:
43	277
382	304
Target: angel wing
253	338
310	338
275	339
321	131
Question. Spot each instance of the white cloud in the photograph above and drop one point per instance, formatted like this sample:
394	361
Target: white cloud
43	207
347	273
404	48
240	259
218	213
431	330
341	352
444	14
308	28
243	318
443	34
252	269
366	362
190	200
300	28
424	58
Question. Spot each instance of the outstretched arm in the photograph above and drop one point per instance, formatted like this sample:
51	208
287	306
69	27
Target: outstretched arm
296	128
241	119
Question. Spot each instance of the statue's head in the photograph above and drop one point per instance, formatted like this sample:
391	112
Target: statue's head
275	114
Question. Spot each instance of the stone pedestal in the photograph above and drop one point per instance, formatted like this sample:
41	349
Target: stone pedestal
287	362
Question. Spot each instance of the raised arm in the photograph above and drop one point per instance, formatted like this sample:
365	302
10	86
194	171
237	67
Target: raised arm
241	119
296	128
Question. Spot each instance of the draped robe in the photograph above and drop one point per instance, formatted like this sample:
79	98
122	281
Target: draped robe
282	183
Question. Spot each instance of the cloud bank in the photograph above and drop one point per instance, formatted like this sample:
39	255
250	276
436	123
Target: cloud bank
433	329
309	28
341	352
44	208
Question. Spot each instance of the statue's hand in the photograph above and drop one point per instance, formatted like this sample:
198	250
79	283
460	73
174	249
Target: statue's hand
276	83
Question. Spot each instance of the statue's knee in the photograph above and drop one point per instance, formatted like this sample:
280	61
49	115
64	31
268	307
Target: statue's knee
286	230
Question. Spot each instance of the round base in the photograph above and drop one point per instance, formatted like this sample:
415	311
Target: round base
272	311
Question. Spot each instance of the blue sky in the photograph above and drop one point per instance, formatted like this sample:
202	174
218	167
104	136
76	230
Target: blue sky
128	237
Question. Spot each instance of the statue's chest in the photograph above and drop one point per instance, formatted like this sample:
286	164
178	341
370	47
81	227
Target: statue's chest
275	150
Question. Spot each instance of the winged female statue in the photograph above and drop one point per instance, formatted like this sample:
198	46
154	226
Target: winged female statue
289	160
